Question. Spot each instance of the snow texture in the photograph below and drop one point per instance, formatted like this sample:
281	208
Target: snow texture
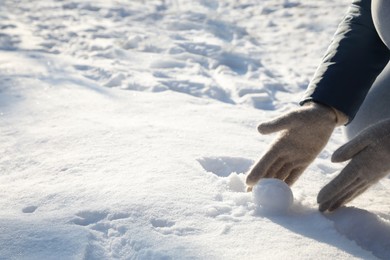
127	128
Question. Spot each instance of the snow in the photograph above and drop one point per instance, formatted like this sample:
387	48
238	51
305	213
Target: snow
272	197
127	128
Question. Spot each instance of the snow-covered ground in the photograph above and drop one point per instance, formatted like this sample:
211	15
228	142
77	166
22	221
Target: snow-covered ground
126	128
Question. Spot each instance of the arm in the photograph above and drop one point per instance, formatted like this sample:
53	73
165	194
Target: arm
351	64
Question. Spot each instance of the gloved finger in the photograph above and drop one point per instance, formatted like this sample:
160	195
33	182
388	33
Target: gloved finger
325	206
358	192
284	171
351	195
345	195
278	124
261	168
350	149
346	177
278	166
294	175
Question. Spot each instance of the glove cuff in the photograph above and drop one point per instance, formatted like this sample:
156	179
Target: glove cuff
341	118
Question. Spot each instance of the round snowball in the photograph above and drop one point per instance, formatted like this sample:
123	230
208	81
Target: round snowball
273	196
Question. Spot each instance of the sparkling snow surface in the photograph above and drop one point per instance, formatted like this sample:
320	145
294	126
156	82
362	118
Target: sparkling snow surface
127	127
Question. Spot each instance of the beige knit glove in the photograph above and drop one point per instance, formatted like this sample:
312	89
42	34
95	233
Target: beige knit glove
303	134
369	153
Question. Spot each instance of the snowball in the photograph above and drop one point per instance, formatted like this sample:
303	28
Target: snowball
272	196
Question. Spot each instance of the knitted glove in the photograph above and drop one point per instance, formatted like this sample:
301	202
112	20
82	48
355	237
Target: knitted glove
369	153
303	134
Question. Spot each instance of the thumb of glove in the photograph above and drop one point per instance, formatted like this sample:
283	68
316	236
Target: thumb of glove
361	141
278	124
350	149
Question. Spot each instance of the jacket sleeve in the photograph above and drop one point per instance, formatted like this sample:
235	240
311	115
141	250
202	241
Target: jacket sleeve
351	64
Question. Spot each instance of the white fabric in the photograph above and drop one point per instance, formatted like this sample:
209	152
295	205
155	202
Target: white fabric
381	17
376	106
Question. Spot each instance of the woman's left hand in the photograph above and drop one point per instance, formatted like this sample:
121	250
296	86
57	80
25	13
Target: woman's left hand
369	155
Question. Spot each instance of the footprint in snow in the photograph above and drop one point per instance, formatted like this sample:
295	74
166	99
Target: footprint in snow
108	224
85	218
232	168
90	217
29	209
168	227
223	166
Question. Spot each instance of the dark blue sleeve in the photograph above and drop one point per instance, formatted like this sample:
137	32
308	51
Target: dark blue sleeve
351	64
